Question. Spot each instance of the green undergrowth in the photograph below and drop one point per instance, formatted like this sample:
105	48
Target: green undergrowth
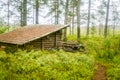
113	58
72	37
44	65
3	29
61	65
107	52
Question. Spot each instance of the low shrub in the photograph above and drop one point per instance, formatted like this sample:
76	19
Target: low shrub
44	65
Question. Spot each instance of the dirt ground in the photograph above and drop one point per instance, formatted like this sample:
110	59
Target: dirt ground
100	72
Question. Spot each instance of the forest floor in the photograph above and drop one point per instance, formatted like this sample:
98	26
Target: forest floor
100	72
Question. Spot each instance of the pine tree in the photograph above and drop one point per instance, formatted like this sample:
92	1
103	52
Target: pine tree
78	20
24	13
88	23
37	11
106	21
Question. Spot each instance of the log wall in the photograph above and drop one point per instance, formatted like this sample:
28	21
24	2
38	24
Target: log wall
53	40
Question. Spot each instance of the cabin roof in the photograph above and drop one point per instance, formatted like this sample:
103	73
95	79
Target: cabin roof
29	33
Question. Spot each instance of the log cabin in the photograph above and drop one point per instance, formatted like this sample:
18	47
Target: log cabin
36	36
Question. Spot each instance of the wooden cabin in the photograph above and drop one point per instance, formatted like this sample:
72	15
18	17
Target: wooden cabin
35	36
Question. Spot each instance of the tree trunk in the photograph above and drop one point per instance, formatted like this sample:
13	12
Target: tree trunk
70	25
66	20
99	29
21	14
73	19
66	12
56	11
8	13
78	20
33	12
37	11
106	21
24	13
114	28
70	21
88	23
